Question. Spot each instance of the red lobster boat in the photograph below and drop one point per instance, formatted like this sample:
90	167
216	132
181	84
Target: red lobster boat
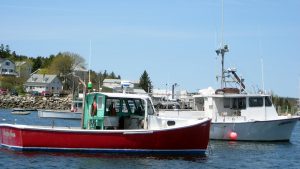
114	122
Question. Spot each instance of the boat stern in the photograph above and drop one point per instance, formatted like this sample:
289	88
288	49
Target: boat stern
10	136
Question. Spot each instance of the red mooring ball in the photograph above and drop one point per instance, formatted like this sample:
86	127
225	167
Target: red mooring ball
233	135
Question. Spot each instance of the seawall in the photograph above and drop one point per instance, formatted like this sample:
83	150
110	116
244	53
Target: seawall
35	102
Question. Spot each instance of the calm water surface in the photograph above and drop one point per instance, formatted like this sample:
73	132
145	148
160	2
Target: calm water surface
221	154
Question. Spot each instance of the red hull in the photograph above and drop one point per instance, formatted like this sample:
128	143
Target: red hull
192	138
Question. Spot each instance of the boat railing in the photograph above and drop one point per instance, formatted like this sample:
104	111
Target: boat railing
233	118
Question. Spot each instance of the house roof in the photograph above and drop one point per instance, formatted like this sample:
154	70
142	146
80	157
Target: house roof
41	78
20	63
4	59
80	68
112	81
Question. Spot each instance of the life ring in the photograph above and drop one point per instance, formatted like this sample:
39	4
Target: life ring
94	109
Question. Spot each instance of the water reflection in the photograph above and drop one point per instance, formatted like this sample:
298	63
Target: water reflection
34	154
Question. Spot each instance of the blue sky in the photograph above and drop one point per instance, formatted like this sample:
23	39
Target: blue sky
174	40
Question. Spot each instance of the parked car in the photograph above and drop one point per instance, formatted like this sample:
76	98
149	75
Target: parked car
13	92
56	94
3	91
46	93
34	93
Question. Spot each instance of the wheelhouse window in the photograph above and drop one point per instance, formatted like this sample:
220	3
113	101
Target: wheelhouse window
100	99
255	102
124	107
199	103
149	107
235	103
131	104
112	105
226	102
268	101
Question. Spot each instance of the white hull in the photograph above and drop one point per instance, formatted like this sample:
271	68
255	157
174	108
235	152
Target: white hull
59	114
271	130
263	130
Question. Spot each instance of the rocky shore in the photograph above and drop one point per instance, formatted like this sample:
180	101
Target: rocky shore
35	102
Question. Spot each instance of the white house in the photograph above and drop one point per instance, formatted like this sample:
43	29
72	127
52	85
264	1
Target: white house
43	82
119	85
7	67
112	83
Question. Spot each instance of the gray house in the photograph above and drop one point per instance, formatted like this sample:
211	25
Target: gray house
7	67
23	69
43	82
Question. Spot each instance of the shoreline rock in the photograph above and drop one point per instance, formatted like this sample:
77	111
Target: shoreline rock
35	102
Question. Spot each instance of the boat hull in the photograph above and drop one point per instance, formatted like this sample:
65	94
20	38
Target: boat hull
59	114
271	130
20	112
186	140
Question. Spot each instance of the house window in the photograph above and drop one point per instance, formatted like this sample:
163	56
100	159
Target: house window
7	63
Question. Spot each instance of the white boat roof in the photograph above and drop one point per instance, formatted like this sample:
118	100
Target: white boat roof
232	95
123	95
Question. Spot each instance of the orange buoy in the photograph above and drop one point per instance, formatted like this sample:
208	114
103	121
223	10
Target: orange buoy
233	135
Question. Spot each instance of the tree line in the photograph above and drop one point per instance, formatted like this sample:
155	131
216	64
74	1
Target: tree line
62	64
284	105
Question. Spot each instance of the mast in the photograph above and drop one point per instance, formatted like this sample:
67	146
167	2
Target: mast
90	86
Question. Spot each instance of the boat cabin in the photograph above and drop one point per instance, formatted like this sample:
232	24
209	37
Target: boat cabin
168	105
241	106
105	111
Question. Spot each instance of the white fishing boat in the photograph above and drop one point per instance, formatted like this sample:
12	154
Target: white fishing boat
61	114
20	112
236	114
74	113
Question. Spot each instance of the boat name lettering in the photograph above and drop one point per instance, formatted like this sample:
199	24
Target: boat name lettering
9	134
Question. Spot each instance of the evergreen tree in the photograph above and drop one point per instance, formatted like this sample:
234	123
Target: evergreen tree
4	51
37	63
145	82
112	75
105	74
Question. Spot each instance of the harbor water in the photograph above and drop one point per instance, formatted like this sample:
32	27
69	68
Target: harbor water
221	154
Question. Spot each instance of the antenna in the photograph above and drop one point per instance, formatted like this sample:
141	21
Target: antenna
90	60
222	50
299	95
262	63
222	26
90	86
262	74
